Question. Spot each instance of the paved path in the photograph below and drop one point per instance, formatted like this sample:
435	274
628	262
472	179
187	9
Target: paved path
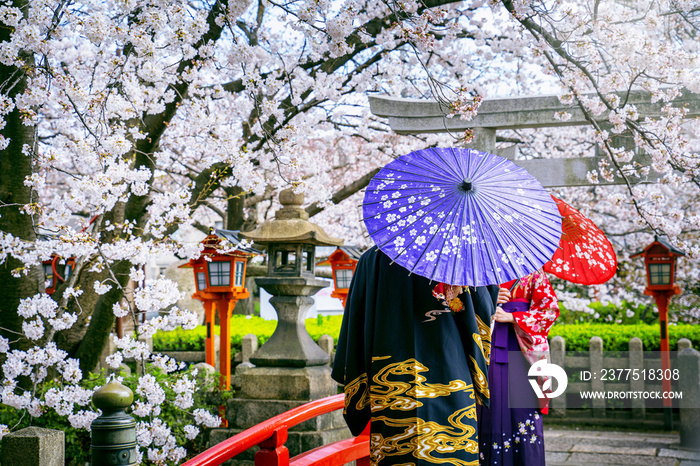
571	446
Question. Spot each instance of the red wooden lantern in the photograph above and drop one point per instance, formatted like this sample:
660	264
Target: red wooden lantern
343	262
216	272
219	276
54	272
660	261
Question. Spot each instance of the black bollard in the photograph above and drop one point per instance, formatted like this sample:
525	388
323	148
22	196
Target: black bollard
114	432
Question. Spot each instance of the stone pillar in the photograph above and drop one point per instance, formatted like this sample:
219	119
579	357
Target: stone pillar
205	372
34	446
689	371
595	346
558	351
636	361
249	345
684	343
327	344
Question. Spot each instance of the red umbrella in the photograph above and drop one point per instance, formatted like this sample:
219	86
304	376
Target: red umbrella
585	255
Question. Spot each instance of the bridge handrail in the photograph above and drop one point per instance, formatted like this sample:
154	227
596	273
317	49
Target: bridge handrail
341	452
249	438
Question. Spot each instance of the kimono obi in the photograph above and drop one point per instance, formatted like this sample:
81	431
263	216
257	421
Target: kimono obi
500	338
516	305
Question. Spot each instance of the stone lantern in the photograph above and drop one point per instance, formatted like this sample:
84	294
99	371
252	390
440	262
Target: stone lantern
290	240
660	261
290	368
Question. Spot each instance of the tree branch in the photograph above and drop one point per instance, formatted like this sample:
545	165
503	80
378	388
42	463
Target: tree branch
344	192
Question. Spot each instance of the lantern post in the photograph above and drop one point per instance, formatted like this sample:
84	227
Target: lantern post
660	264
219	275
343	262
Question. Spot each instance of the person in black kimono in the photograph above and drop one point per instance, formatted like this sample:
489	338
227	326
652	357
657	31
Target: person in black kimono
414	366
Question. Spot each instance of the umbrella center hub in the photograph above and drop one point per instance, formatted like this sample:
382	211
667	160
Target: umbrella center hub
572	231
466	186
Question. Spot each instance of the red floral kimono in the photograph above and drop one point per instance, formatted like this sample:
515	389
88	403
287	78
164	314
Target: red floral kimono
532	326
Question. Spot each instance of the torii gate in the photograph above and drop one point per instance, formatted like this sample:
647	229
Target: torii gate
416	116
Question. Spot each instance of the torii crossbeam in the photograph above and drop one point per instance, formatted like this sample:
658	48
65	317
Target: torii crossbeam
417	116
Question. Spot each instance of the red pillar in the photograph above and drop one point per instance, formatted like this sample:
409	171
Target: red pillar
225	307
272	451
209	347
662	299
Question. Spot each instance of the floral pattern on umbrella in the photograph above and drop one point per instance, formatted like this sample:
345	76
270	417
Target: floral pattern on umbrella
585	255
461	216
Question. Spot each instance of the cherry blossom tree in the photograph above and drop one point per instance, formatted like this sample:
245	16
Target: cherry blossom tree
126	120
142	117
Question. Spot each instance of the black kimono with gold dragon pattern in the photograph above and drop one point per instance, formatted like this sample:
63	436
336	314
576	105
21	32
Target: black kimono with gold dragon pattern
411	366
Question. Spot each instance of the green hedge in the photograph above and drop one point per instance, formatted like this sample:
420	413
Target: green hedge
615	337
193	340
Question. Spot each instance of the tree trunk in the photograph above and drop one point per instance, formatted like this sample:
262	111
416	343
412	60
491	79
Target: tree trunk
14	168
234	210
101	325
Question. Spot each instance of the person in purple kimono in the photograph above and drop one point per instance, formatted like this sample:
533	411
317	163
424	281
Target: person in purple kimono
510	428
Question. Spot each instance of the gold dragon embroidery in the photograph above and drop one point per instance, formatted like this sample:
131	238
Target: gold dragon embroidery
400	395
480	381
485	338
358	385
425	439
421	439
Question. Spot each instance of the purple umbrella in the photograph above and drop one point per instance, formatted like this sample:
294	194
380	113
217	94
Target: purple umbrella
461	216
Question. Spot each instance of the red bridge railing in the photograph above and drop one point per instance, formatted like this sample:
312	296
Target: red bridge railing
271	435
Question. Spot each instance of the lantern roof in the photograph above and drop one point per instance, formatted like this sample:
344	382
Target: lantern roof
212	241
232	237
343	253
664	243
290	225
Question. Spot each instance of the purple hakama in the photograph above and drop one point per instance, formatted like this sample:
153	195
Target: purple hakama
510	436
